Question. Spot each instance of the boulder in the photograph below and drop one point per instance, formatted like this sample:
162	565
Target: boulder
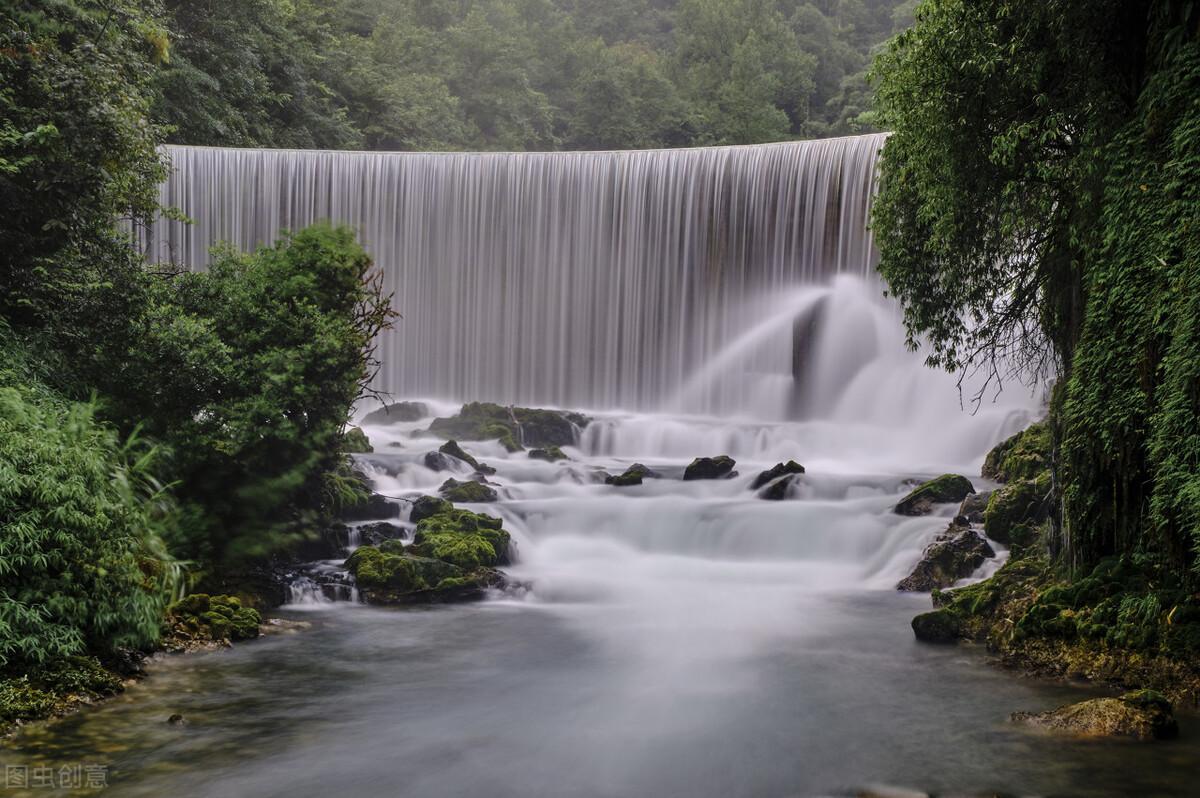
775	472
377	532
468	491
426	506
720	467
397	413
631	476
955	554
778	490
436	461
1022	502
373	508
1023	456
549	454
512	426
938	626
943	490
1140	715
452	449
973	507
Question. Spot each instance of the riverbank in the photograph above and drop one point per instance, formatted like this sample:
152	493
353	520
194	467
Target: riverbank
1127	622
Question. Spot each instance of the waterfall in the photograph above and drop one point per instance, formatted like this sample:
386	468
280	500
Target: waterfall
587	279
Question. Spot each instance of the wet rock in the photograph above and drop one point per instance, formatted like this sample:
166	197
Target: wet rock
373	508
375	533
779	489
955	554
631	476
514	427
1023	456
720	467
777	480
1024	502
550	454
436	461
427	506
1140	715
468	492
176	720
452	448
215	618
973	507
356	441
397	413
775	472
938	626
943	490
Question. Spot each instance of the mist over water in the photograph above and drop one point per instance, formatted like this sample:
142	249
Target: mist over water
672	638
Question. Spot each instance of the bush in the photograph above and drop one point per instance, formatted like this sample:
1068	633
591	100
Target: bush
82	563
249	372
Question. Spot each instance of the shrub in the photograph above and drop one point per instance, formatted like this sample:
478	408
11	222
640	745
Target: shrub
82	562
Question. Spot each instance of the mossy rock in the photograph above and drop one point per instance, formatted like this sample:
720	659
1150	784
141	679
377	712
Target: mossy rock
550	454
425	506
356	441
938	626
453	449
378	569
468	540
479	421
631	476
1023	456
468	492
955	554
1018	503
946	489
397	413
390	575
719	467
217	617
1142	715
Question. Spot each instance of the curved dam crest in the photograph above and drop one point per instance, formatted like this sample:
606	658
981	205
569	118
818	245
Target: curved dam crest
588	279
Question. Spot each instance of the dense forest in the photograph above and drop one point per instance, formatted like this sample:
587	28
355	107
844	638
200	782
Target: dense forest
517	74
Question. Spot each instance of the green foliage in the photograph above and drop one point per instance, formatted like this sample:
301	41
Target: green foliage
71	165
82	562
989	177
1039	211
53	687
248	372
517	74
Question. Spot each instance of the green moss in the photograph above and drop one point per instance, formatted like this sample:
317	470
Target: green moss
397	571
1023	456
479	421
1026	502
468	492
550	454
355	440
942	490
217	617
